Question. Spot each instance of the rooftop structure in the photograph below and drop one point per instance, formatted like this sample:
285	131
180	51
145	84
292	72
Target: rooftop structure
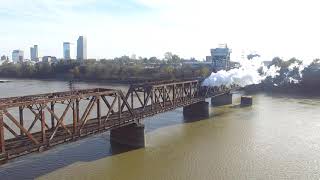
221	58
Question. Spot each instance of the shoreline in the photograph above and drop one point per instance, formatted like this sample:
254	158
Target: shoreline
296	89
112	81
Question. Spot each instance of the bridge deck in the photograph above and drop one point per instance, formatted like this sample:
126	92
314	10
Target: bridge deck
19	137
20	146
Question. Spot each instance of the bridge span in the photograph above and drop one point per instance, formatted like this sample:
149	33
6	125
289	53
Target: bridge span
38	122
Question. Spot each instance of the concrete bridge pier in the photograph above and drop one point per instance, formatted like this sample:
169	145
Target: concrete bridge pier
221	100
197	110
131	135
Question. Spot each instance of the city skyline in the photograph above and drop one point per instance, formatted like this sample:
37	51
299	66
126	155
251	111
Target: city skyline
66	51
151	28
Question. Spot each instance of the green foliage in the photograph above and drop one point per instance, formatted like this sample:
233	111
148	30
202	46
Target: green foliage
204	72
308	77
311	74
122	68
171	58
130	69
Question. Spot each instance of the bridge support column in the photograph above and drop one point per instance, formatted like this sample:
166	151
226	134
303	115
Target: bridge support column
131	135
222	100
246	100
197	110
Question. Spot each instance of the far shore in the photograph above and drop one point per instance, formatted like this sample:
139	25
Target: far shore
112	81
117	81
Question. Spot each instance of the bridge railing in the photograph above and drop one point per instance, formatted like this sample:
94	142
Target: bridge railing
31	123
155	97
42	120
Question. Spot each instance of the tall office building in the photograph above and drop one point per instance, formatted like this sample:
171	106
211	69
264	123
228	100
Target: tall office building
82	48
34	53
66	50
17	56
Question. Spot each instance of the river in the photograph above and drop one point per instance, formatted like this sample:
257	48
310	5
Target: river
277	138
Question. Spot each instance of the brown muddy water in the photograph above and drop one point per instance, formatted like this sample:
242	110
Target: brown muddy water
277	138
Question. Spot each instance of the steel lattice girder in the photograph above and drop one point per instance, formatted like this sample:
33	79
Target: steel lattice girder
113	110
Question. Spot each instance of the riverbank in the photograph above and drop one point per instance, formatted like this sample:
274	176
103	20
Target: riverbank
102	81
290	89
118	81
130	71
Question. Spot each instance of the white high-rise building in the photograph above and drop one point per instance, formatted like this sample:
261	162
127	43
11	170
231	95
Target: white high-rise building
34	53
17	56
66	50
82	48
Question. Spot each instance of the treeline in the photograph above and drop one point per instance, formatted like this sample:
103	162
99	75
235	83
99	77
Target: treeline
294	73
123	68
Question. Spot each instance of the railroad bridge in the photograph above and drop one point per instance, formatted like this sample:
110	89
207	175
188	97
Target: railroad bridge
38	122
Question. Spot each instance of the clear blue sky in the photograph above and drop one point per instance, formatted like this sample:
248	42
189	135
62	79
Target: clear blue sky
152	27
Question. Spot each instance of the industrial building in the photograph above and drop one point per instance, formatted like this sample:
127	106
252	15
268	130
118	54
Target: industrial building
221	58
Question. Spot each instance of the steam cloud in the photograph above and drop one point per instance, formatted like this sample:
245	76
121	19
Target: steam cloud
254	72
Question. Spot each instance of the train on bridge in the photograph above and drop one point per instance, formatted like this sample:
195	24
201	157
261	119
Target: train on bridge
38	122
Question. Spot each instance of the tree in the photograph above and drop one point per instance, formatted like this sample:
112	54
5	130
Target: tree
44	69
171	58
153	60
204	72
276	61
75	72
175	59
168	56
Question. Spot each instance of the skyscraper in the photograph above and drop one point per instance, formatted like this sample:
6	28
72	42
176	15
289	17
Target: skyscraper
82	48
17	55
34	53
66	50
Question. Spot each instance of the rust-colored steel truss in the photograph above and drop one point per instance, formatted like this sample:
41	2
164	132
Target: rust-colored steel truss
37	122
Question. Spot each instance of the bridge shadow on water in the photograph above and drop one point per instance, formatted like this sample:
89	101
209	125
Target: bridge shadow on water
86	150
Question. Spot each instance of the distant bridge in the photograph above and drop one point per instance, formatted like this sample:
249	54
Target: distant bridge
38	122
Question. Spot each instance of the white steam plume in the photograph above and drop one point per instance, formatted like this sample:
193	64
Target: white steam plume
252	72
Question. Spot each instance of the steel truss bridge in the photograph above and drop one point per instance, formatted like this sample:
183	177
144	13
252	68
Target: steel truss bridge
38	122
